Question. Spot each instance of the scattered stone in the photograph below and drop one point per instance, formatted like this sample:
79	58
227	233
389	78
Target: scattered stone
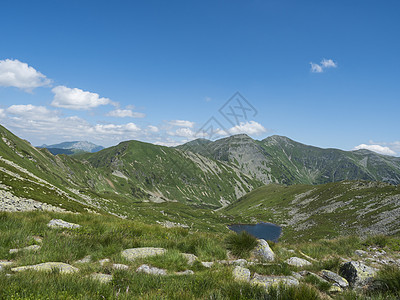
297	275
297	262
361	252
48	266
58	223
342	282
239	262
5	263
263	251
169	224
207	264
241	274
357	274
151	270
308	273
134	253
103	278
187	272
104	261
191	258
85	260
268	281
335	289
120	267
37	239
29	248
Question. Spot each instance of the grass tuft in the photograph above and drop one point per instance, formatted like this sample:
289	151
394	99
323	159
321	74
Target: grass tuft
241	244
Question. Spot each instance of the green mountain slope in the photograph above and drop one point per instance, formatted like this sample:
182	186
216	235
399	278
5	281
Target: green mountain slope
328	210
279	159
114	178
156	173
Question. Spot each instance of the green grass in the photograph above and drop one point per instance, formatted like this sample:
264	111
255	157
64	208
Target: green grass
241	244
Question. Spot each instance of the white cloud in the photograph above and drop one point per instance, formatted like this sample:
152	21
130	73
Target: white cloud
325	64
316	68
181	123
113	129
14	73
376	148
153	128
184	132
77	99
250	128
32	112
2	113
328	63
123	113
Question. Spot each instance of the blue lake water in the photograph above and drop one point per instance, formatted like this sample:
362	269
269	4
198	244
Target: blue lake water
266	231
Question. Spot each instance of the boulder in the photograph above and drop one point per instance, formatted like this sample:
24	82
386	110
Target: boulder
103	278
239	262
135	253
297	262
342	282
191	258
357	273
48	267
268	281
335	289
263	251
151	270
241	274
104	261
58	223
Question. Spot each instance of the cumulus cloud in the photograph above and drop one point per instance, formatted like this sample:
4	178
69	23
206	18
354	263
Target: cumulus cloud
2	113
123	113
181	123
184	132
324	64
250	128
376	148
32	112
152	128
328	63
14	73
77	99
316	68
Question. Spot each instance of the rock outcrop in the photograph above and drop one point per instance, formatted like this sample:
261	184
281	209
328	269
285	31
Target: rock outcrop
297	262
48	267
135	253
263	251
58	223
357	273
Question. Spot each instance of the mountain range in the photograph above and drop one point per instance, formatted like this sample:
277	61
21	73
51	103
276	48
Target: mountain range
70	148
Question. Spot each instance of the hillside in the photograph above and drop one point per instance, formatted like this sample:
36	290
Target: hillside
278	159
114	178
323	211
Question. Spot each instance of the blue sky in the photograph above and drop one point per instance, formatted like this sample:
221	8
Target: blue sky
324	73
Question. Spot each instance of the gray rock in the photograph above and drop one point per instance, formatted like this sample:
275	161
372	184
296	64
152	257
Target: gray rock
104	261
6	263
187	272
58	223
239	262
268	281
151	270
207	264
85	260
357	273
48	267
191	258
335	289
29	248
342	282
361	252
297	262
103	278
241	274
134	253
263	251
297	275
120	267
